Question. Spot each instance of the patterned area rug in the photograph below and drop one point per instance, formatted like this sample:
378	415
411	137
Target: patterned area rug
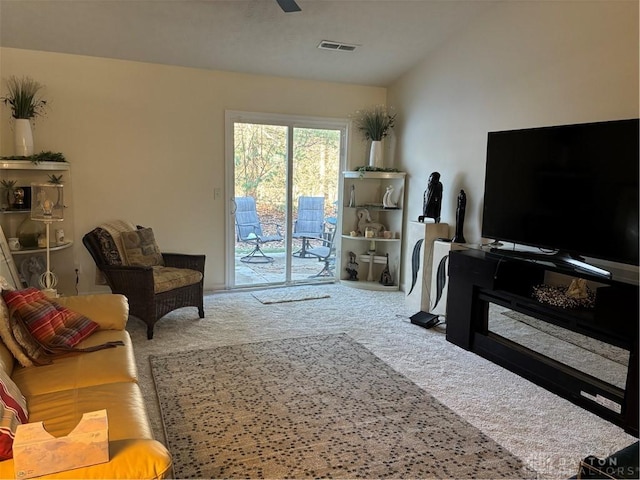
283	295
320	406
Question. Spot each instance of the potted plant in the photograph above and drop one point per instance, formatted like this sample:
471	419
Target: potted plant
7	186
26	104
375	123
36	158
55	179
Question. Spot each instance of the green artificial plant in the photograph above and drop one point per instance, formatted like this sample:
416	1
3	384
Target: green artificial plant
374	123
23	98
55	179
36	158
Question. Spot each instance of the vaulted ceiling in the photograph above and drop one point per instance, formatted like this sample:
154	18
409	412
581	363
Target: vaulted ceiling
249	36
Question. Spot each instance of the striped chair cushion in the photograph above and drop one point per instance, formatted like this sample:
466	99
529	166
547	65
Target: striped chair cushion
13	412
55	327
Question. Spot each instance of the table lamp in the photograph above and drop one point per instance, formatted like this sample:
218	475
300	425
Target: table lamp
47	206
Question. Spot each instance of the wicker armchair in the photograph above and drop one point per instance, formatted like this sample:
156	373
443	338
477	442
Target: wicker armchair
147	300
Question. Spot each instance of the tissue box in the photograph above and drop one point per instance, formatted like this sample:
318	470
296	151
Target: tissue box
36	452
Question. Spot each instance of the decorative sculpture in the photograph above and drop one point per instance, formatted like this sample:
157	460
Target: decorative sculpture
415	263
352	267
364	221
18	198
387	199
352	196
462	206
578	289
432	199
386	279
32	269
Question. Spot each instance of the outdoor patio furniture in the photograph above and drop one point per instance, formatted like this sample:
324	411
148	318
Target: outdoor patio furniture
249	230
310	223
326	253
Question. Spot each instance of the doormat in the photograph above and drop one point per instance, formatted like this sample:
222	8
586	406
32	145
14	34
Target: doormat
284	295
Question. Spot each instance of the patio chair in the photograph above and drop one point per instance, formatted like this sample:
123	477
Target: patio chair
310	223
249	230
326	252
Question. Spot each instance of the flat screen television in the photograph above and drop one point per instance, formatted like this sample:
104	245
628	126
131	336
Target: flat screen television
570	190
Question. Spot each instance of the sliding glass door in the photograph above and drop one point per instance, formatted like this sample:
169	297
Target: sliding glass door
283	176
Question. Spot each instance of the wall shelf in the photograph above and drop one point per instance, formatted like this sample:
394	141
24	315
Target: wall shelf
29	165
374	175
31	251
24	173
366	191
365	239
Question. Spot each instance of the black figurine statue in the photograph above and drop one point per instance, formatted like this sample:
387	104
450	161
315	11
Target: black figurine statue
432	199
352	267
462	206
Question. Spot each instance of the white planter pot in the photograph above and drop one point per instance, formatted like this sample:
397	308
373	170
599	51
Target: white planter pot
23	137
375	154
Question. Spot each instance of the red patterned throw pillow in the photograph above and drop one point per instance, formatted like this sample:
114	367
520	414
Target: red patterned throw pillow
55	327
13	412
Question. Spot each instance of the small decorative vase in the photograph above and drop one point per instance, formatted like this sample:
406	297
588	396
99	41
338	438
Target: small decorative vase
9	200
23	137
375	155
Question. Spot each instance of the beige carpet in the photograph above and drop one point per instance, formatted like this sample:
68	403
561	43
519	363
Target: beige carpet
313	407
549	433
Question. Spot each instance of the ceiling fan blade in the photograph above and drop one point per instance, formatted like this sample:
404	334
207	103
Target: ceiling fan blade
288	6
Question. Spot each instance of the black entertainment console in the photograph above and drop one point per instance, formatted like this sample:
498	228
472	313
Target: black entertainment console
478	278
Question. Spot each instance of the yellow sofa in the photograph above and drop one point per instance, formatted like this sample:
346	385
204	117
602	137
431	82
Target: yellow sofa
58	395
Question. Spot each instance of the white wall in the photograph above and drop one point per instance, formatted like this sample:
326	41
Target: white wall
522	64
146	141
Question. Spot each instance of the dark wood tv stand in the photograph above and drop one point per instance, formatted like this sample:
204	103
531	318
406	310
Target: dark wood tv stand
477	278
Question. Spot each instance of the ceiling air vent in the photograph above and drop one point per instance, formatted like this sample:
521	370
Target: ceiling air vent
330	45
